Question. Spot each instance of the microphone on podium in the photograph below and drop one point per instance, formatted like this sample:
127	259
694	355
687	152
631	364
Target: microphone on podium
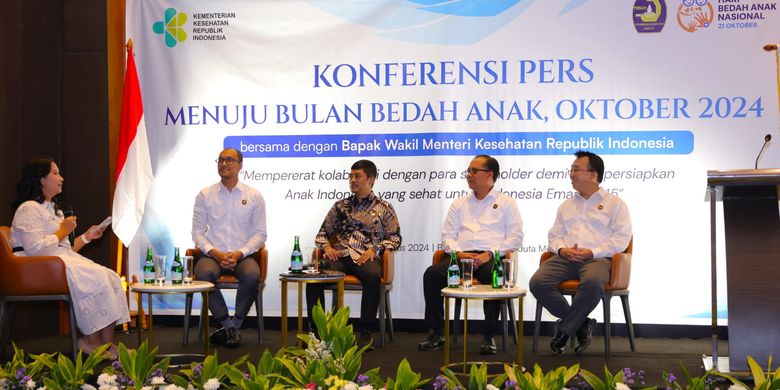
770	47
67	211
767	138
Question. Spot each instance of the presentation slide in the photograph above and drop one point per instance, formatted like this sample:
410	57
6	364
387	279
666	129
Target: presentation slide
663	90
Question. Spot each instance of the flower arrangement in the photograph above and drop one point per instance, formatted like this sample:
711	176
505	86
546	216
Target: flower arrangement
331	360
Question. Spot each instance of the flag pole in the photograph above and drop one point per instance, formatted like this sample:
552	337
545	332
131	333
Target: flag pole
120	253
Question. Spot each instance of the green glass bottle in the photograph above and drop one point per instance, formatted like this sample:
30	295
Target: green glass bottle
149	270
177	269
453	272
498	271
296	259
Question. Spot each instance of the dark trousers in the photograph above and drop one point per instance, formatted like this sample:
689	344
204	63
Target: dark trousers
593	275
248	273
435	279
370	276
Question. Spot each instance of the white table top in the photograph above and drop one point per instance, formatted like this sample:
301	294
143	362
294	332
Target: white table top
483	291
168	288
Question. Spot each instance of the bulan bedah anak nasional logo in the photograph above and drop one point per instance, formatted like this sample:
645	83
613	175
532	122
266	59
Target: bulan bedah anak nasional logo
693	15
171	27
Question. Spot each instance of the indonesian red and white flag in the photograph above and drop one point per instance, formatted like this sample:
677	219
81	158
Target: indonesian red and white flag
133	167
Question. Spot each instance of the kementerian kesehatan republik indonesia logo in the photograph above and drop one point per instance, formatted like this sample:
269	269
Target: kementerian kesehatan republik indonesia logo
172	27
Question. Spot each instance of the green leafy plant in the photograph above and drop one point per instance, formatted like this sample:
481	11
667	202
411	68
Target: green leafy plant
293	368
405	378
139	364
18	371
762	380
199	375
65	374
610	381
478	378
691	382
334	353
264	375
333	329
538	380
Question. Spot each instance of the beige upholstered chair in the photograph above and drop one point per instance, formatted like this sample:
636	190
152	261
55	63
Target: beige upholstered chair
351	283
231	282
620	275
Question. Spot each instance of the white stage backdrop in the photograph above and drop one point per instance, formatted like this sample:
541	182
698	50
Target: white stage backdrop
664	90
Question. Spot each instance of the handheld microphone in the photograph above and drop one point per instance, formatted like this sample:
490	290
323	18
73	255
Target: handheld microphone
770	46
767	138
67	211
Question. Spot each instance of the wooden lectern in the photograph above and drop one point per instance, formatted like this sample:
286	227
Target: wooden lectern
752	230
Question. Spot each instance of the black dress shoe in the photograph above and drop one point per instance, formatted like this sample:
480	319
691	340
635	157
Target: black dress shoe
233	338
488	347
584	335
218	337
434	342
558	343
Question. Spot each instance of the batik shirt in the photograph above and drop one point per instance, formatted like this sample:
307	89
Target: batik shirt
352	227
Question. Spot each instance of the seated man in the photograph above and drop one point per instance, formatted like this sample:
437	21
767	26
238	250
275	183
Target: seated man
477	224
228	225
590	227
351	239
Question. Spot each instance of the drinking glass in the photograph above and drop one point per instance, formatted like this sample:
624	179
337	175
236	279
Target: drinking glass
160	268
509	280
189	269
308	259
468	272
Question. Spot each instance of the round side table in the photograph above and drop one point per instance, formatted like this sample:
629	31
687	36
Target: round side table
302	279
152	288
481	292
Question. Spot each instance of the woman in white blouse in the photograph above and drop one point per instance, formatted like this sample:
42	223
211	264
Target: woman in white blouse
39	229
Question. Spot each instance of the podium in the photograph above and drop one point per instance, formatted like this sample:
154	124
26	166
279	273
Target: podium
752	233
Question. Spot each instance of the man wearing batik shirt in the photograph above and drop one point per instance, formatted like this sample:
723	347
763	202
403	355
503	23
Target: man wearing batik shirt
351	239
